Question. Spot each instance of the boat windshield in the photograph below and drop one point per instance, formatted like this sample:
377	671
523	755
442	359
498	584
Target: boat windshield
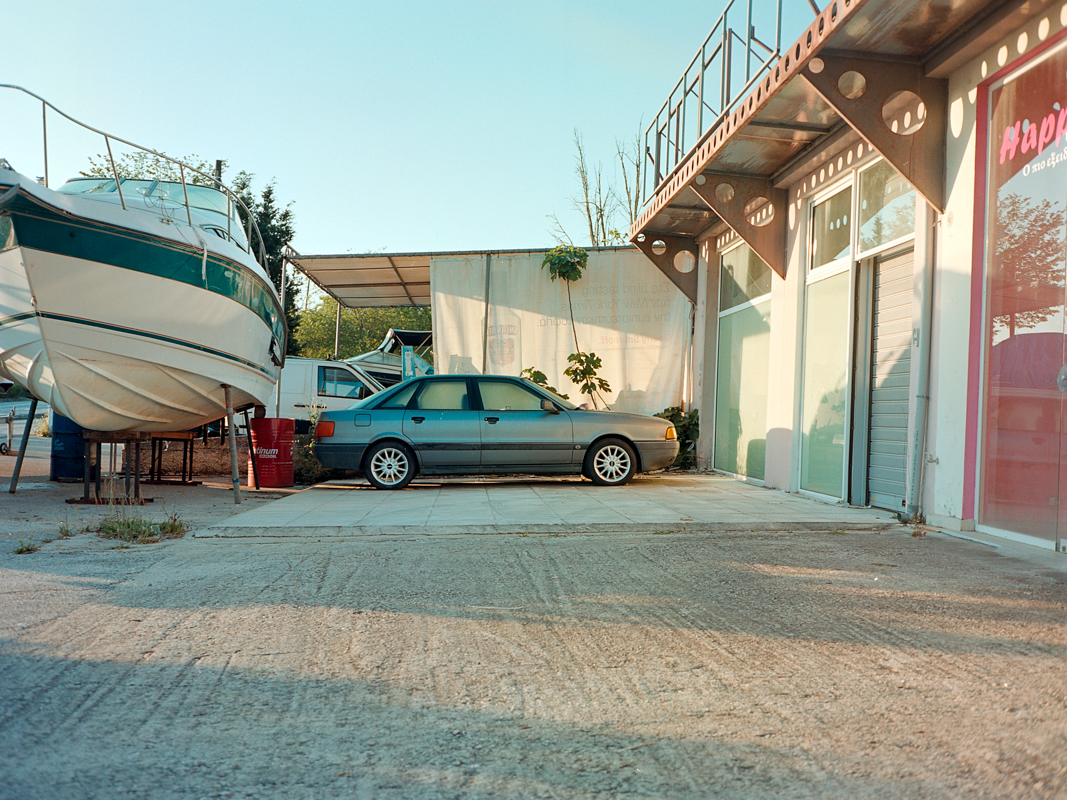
206	198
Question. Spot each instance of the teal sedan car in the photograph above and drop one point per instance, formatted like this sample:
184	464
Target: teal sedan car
487	424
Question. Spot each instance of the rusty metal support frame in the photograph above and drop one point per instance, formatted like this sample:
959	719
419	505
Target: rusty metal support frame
919	156
754	209
662	250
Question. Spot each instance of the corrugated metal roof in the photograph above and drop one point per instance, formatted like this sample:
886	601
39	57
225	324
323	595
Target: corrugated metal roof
374	280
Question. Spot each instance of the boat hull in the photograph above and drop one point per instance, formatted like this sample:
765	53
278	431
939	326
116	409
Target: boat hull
125	329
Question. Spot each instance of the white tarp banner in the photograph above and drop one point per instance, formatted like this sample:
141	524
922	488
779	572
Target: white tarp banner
626	311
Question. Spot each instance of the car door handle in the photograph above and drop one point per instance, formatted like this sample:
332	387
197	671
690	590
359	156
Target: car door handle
492	420
417	420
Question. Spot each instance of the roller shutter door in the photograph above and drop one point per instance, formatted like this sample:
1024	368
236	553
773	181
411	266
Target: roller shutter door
887	471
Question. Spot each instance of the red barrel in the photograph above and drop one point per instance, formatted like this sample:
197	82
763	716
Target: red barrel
272	439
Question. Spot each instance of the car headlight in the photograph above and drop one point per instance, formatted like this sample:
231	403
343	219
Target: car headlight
671	433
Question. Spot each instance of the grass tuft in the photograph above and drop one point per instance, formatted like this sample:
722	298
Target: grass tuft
134	529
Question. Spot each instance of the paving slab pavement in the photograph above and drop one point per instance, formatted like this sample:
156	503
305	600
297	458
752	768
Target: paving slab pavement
540	505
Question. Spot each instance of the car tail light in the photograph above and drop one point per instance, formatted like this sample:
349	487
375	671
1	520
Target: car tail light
323	429
671	433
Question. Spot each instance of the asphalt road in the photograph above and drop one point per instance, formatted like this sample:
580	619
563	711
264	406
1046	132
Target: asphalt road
663	664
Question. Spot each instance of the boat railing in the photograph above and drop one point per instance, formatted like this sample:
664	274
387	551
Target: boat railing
724	69
233	201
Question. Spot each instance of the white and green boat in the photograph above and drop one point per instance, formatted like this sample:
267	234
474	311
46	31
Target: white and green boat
128	304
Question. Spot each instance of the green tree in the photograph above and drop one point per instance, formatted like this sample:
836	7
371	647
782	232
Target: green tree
147	166
362	329
603	206
277	227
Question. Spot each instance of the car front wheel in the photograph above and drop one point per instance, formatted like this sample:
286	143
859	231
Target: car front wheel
611	462
390	465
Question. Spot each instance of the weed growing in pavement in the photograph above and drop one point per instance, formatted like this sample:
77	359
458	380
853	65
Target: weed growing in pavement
172	527
26	547
65	531
131	528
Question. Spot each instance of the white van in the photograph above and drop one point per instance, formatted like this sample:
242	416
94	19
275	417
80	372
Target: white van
310	385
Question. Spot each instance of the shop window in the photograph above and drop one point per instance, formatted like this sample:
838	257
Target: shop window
831	233
743	364
745	276
886	207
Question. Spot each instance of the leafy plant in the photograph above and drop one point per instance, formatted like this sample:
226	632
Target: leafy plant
536	376
566	262
307	470
687	423
26	547
583	374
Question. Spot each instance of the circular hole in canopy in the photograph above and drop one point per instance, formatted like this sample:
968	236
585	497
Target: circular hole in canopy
852	85
684	261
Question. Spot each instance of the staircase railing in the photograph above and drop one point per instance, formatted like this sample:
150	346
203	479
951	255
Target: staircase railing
724	70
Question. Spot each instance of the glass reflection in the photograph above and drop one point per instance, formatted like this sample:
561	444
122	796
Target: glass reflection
831	233
826	325
887	207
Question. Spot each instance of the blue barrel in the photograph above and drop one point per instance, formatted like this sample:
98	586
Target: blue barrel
68	451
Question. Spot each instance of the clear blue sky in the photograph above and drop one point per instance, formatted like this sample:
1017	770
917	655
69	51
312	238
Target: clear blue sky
406	125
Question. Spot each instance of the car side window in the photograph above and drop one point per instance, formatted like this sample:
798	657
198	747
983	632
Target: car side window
401	398
443	396
335	382
507	396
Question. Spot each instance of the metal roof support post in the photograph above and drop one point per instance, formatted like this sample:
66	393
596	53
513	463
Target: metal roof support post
485	316
895	107
754	208
337	332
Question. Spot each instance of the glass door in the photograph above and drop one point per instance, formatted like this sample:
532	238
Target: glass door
1022	486
824	409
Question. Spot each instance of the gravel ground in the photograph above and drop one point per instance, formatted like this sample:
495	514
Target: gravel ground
670	665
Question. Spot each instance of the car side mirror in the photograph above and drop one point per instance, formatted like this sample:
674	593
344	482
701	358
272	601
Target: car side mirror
549	406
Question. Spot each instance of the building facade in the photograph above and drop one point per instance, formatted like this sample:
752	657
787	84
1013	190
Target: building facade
874	237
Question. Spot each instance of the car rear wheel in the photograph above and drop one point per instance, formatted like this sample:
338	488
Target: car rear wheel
611	462
390	465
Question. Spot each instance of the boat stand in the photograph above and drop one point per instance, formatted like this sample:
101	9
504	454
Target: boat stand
22	447
132	495
155	460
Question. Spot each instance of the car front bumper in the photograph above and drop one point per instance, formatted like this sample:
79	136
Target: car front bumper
657	455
